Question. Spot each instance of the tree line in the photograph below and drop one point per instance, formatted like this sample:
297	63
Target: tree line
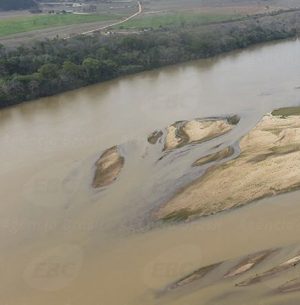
52	66
7	5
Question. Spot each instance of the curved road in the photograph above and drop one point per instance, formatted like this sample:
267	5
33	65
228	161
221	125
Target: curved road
116	23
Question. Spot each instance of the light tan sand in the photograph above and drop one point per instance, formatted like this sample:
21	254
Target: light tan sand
108	167
275	271
183	133
248	263
218	156
197	130
172	141
269	164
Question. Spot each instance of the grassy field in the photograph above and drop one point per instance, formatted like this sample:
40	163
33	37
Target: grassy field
9	26
176	19
287	111
252	6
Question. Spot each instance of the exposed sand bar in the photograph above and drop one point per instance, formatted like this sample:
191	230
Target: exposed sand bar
218	156
248	263
261	267
290	263
108	167
241	266
269	164
183	133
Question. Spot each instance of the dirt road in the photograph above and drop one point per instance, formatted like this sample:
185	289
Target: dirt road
116	23
63	31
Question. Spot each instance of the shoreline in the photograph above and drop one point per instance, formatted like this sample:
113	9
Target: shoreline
87	70
136	74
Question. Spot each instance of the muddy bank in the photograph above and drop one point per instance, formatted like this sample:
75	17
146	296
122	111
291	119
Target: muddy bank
281	260
290	263
290	286
248	263
269	164
108	167
240	267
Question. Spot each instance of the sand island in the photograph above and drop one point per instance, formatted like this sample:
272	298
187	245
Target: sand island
268	165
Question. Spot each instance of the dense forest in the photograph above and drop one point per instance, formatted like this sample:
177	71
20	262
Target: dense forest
7	5
52	66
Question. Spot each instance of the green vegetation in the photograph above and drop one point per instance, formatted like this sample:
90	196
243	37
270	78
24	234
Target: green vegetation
178	19
7	5
15	25
53	66
287	111
181	215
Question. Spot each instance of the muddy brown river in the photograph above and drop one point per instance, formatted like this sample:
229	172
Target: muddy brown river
64	242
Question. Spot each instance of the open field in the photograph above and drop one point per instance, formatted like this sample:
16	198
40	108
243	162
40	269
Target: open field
16	30
244	5
162	13
155	21
22	27
15	40
32	23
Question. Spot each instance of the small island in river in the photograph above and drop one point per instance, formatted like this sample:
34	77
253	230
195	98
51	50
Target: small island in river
268	165
197	131
108	167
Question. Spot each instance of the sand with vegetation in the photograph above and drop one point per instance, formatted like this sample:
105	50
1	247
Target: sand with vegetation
269	164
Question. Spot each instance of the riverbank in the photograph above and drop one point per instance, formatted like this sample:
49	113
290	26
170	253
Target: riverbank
268	165
53	66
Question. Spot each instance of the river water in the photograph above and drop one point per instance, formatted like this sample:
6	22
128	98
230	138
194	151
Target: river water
64	243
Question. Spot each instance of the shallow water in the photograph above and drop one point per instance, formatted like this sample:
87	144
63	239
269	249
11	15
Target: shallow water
64	243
